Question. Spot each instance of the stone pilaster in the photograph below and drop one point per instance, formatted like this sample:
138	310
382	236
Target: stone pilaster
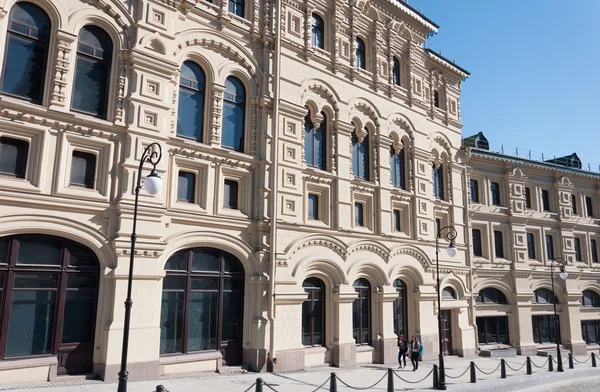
216	103
64	62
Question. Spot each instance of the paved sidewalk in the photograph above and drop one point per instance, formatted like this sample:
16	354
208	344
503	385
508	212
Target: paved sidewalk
360	377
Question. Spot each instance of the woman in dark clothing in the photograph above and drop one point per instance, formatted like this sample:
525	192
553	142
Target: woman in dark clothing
415	345
402	350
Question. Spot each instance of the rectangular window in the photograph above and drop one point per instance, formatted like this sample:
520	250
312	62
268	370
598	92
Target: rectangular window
83	169
578	249
590	331
589	207
498	244
593	251
545	200
186	187
313	206
495	193
438	182
574	204
477	249
474	191
397	226
230	194
549	247
438	226
544	329
527	198
358	214
530	245
13	156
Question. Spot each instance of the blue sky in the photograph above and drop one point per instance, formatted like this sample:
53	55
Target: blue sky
535	71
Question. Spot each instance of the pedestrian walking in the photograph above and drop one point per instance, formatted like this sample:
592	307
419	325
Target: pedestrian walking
402	351
415	347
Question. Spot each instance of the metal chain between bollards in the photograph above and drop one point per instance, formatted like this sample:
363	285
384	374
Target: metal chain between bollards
270	387
516	370
415	382
492	372
322	385
556	362
463	373
361	388
542	366
250	387
575	359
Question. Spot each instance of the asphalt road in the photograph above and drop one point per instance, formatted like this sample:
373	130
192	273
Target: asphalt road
583	385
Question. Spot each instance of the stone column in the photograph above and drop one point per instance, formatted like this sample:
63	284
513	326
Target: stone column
386	345
343	353
344	167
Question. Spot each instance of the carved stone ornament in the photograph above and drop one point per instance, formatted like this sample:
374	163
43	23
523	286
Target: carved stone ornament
63	56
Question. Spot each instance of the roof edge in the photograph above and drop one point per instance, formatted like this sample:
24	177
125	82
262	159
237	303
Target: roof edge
455	67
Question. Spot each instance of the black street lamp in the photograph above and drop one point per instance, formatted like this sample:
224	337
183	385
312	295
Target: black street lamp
448	233
152	184
559	262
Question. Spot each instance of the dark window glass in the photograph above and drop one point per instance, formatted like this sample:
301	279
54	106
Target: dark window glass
92	71
39	250
401	309
361	312
436	99
590	298
544	329
230	194
360	54
438	226
83	169
397	168
82	257
545	200
314	142
527	198
578	256
438	182
544	296
593	251
237	7
574	204
530	246
397	221
448	293
359	214
13	156
26	51
498	244
360	157
477	246
80	304
549	247
588	206
474	191
492	330
396	71
186	186
491	295
207	260
495	193
171	315
190	110
3	251
234	107
590	330
318	31
313	206
313	313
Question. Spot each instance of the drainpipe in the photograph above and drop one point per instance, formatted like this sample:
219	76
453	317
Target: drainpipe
274	180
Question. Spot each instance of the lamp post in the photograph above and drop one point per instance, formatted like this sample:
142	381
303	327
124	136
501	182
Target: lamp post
153	183
448	233
559	262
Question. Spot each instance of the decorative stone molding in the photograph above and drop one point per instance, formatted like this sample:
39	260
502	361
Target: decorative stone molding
337	248
124	59
362	189
200	155
325	93
374	247
217	109
61	68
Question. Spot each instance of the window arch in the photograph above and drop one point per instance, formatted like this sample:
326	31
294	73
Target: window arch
491	295
396	71
361	312
315	142
438	181
313	313
544	296
206	286
360	156
92	71
590	298
360	54
318	32
448	293
26	52
48	300
397	167
190	109
401	309
234	108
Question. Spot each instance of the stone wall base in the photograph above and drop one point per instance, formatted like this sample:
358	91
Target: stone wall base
387	351
464	352
527	350
256	359
137	371
289	360
430	342
343	355
577	348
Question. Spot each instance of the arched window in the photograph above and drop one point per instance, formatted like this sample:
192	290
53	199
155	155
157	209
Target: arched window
360	54
26	52
436	99
544	296
234	108
313	313
401	309
491	295
236	7
397	167
590	298
48	300
448	293
360	157
318	32
315	140
396	71
361	312
438	182
190	110
202	304
92	71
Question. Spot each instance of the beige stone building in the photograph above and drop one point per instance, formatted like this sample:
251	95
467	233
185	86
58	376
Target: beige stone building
274	250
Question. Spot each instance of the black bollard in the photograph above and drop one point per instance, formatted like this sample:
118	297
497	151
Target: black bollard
550	364
529	372
390	387
502	368
593	359
160	388
333	382
473	373
259	385
571	365
435	376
